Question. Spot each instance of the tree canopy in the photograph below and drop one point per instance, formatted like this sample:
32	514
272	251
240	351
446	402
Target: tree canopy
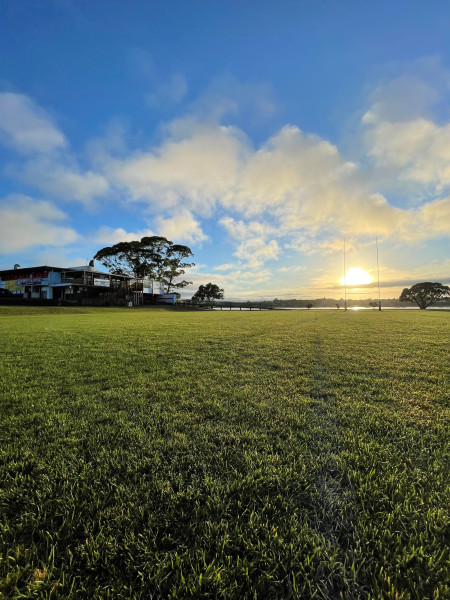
207	293
425	294
154	257
175	267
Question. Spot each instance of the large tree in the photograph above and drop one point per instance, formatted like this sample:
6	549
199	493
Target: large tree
425	294
155	257
175	267
207	293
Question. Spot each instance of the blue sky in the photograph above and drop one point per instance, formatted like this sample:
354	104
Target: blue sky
260	134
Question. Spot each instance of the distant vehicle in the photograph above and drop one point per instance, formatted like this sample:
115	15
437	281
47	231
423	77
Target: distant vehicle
5	293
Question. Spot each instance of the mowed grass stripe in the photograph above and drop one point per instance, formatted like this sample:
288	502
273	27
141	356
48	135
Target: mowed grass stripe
165	454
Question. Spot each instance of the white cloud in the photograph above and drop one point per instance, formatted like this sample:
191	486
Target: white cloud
301	180
61	181
25	222
433	217
403	138
238	282
254	248
26	126
109	236
418	150
225	267
290	167
295	191
292	269
293	183
182	227
309	245
52	169
438	270
194	171
242	231
256	251
55	257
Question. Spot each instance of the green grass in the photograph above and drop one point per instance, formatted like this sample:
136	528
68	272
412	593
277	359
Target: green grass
281	454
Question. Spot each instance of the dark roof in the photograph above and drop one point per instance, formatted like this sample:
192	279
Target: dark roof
89	269
59	270
27	269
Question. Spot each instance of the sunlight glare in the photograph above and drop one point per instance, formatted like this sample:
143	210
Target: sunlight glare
356	276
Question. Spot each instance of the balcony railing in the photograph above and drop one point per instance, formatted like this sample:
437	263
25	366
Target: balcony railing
88	279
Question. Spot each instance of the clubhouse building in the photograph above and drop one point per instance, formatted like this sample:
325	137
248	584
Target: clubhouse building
78	285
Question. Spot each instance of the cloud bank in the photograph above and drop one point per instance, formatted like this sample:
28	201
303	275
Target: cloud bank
294	192
26	222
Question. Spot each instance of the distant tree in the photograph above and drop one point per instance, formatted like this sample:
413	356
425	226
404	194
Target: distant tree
207	293
373	303
425	294
309	306
155	257
338	306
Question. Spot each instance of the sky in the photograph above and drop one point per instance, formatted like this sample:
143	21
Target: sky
261	134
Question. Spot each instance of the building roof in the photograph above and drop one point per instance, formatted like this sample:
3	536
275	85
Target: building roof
28	269
88	269
47	268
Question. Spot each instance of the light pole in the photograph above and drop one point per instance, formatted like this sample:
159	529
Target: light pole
345	282
378	269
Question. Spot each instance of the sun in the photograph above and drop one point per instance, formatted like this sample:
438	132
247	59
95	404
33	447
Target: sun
356	276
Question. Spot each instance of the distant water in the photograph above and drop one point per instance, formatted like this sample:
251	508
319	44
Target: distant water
355	308
367	308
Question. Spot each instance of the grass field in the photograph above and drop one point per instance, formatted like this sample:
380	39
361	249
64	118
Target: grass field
271	455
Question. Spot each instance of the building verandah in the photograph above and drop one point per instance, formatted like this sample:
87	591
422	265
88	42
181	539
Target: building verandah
79	285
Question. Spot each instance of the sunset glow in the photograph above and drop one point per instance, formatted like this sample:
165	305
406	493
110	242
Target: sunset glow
356	276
